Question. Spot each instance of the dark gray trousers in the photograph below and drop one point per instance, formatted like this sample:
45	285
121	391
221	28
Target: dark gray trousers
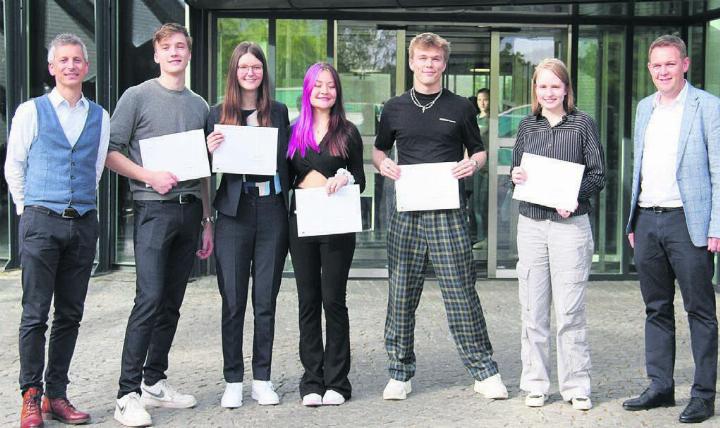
166	238
664	253
57	256
253	243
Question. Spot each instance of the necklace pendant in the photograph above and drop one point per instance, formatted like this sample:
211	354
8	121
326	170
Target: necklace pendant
423	109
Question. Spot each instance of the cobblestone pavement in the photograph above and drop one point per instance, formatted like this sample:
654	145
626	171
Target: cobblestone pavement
442	389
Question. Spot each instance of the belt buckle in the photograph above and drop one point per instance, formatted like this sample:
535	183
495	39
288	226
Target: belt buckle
184	199
70	213
658	210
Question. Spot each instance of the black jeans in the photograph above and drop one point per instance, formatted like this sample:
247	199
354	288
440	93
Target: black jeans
57	257
166	238
253	243
663	253
321	265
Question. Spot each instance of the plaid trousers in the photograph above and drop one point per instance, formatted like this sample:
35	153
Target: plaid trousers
442	237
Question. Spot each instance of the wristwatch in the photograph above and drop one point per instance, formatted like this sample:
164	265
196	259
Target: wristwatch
206	220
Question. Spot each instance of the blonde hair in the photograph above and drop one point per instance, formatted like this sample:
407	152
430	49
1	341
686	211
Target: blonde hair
167	30
427	40
560	70
670	40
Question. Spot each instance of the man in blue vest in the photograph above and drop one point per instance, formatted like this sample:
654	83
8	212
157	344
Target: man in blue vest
55	157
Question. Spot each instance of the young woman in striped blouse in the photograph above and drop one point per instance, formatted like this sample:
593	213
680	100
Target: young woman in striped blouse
555	246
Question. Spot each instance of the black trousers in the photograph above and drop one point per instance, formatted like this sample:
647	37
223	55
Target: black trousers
165	238
663	253
253	243
57	256
321	265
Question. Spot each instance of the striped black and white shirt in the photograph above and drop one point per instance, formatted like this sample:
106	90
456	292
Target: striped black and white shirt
573	139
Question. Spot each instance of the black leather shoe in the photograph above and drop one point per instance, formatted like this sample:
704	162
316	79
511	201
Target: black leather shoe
698	410
650	399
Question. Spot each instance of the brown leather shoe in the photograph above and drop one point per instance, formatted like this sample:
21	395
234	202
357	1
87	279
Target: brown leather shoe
30	416
61	410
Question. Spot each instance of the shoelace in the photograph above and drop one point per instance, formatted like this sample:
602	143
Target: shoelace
33	404
64	403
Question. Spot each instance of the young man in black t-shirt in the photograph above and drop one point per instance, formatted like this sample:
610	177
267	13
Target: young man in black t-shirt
432	125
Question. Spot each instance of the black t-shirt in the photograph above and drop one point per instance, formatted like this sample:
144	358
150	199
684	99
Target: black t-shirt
439	135
327	164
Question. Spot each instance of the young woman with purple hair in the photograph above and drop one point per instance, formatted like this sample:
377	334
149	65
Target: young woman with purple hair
251	234
325	150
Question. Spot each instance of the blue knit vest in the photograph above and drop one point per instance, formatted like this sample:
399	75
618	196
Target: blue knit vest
59	175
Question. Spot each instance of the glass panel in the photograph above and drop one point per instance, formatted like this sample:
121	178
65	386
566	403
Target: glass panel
713	4
49	18
642	82
695	74
600	93
519	53
135	65
4	195
300	43
366	61
659	8
231	32
603	9
712	63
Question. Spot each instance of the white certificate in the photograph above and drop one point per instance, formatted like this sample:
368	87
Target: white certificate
427	187
550	182
321	214
246	150
184	154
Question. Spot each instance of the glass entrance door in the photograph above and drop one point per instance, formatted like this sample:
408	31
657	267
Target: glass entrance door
514	56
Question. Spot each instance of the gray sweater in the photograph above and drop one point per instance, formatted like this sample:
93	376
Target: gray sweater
150	110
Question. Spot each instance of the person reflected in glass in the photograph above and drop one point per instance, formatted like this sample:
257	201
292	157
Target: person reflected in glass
478	202
555	246
251	237
325	150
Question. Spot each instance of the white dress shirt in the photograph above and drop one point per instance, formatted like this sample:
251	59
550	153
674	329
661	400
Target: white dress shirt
658	184
24	129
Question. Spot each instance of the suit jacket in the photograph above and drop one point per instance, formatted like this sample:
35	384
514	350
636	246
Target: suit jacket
230	191
697	170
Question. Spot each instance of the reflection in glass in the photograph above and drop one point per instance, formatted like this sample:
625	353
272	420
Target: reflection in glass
230	32
696	72
600	93
659	8
712	66
135	65
300	43
366	61
603	9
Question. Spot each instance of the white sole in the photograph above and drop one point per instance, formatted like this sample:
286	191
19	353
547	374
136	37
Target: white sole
151	402
266	402
119	417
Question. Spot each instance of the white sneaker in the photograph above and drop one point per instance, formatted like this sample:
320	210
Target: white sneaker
535	399
332	398
312	400
492	388
163	395
264	393
581	403
397	390
232	397
130	412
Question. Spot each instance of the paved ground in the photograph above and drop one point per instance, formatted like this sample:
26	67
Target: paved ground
442	393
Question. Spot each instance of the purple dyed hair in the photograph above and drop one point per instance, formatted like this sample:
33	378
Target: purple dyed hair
302	136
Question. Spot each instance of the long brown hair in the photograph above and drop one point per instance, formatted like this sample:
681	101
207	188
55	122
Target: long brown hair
231	114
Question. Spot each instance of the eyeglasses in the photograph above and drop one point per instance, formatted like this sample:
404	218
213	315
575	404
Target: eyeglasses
257	69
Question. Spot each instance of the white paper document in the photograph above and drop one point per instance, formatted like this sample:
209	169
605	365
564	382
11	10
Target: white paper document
246	150
550	182
184	154
321	214
427	187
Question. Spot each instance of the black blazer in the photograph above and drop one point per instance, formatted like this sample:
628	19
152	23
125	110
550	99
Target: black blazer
230	190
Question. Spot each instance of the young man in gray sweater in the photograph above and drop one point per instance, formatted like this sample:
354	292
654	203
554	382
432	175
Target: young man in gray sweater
168	216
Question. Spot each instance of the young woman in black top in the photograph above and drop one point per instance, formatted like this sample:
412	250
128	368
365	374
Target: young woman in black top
251	235
325	149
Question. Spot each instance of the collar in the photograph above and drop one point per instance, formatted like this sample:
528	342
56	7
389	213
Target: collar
680	99
57	100
567	117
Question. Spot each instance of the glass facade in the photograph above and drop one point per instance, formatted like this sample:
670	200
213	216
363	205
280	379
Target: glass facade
493	46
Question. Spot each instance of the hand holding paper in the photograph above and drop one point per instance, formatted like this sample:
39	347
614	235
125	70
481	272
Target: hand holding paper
549	182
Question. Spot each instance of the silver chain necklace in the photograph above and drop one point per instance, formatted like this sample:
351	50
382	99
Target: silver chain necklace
427	106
